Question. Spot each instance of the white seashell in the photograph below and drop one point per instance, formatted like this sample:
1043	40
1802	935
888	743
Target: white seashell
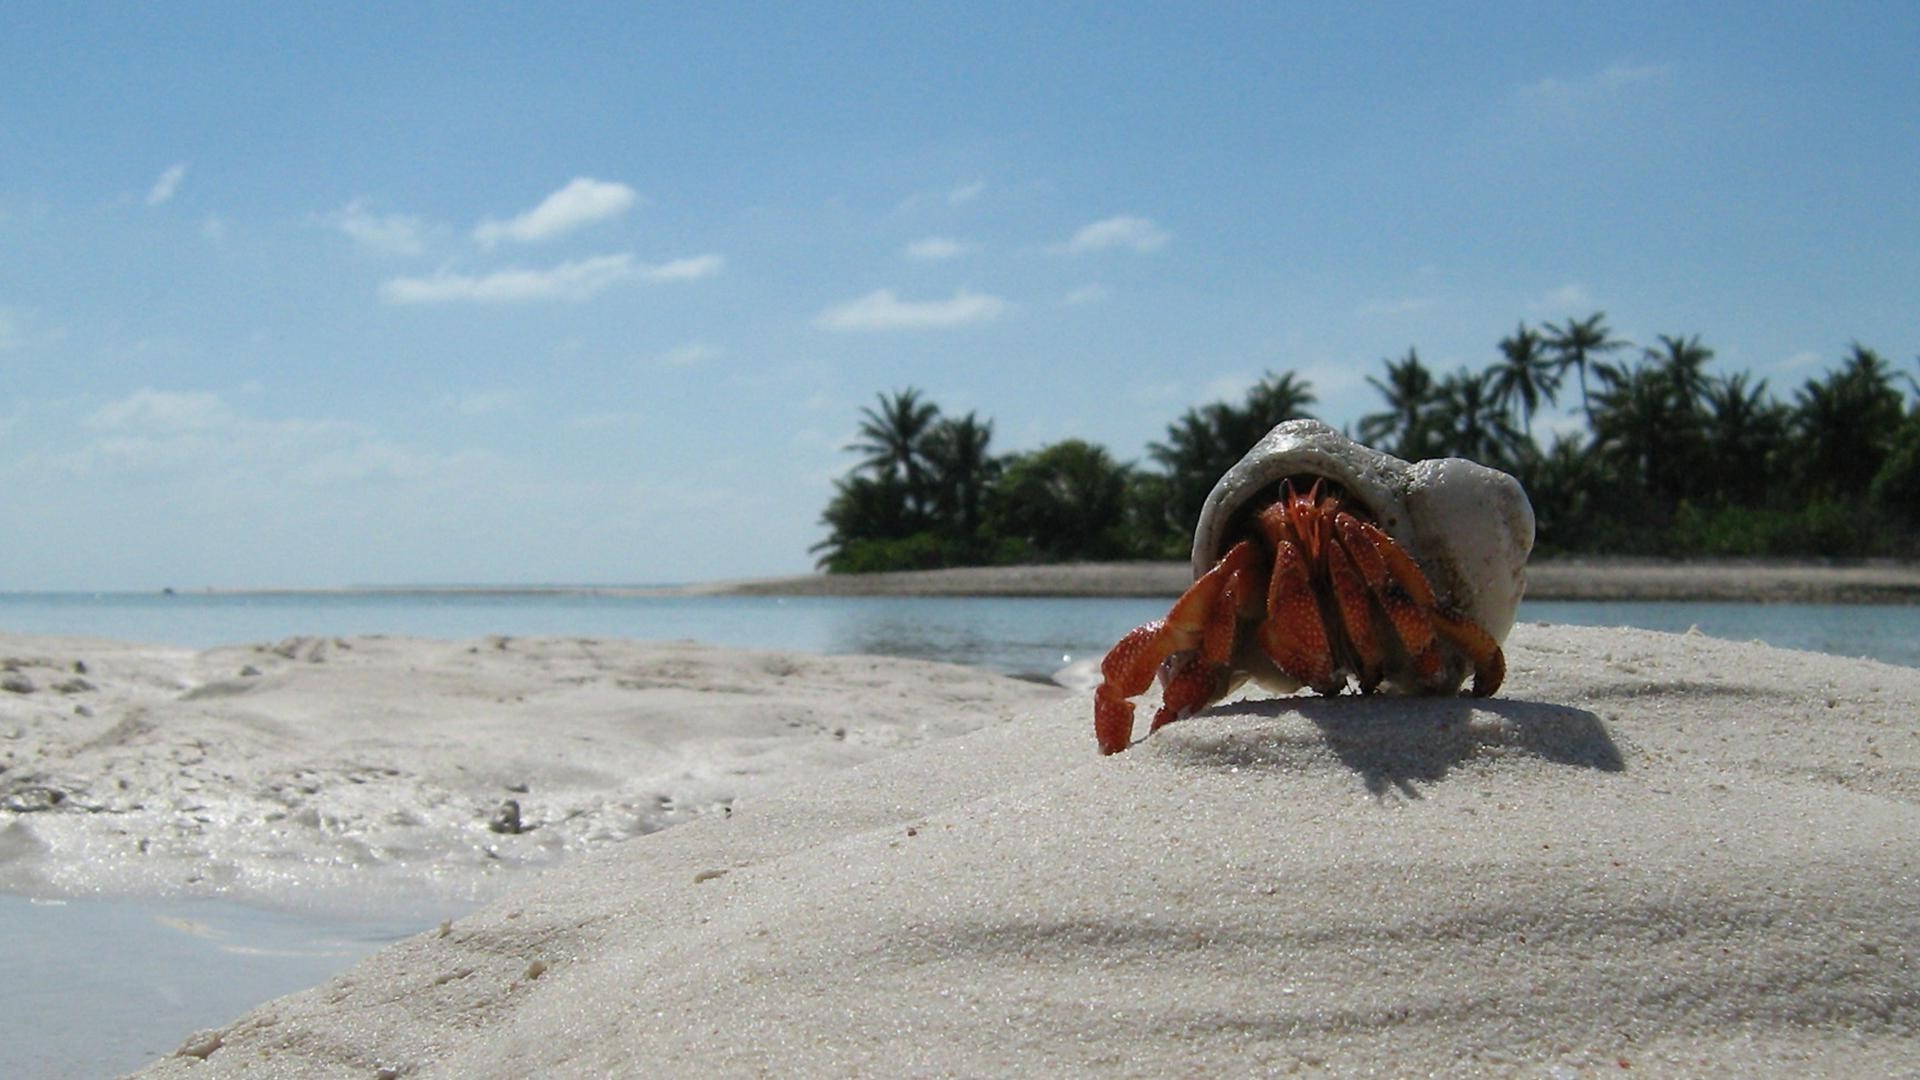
1469	527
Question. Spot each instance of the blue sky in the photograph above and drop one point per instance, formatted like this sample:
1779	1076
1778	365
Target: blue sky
419	293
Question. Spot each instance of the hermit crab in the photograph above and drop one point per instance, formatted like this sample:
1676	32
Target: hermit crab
1320	562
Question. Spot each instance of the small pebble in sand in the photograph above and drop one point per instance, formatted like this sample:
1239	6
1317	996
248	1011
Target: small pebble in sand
506	820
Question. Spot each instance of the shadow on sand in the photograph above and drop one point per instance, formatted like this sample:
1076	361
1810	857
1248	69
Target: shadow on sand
1394	743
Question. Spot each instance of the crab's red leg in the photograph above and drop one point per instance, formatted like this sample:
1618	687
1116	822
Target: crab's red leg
1489	663
1350	593
1418	617
1292	634
1204	617
1193	683
1403	592
1127	671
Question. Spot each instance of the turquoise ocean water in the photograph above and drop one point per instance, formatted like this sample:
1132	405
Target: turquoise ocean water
1015	635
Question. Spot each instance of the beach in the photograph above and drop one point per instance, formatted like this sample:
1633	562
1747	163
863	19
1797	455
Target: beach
380	775
1573	578
1652	851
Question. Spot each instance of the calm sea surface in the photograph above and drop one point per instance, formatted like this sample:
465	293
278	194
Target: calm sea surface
1015	635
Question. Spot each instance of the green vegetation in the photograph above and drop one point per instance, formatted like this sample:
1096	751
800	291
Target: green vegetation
1672	461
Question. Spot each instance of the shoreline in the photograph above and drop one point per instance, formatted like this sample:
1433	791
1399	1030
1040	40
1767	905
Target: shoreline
1581	578
1560	579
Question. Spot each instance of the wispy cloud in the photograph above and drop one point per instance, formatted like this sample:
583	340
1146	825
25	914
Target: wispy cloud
965	193
1555	102
1123	232
387	234
1568	298
575	280
1406	305
1095	293
161	410
198	437
936	249
12	336
167	185
213	229
1613	77
480	402
882	310
698	352
690	269
582	201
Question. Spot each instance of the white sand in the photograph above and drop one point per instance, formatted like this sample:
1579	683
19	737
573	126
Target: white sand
1668	853
369	776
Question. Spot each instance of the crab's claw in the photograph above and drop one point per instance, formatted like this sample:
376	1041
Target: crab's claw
1202	623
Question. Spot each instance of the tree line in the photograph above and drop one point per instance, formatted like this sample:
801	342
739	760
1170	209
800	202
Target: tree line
1666	460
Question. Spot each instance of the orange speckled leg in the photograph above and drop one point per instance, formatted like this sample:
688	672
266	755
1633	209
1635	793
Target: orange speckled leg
1204	618
1403	592
1489	663
1293	636
1351	596
1192	685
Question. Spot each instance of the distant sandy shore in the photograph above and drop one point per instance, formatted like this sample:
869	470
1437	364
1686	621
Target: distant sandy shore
1879	582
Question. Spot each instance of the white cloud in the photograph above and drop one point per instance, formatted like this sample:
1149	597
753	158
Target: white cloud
213	229
691	269
480	403
1800	361
582	201
388	234
955	196
1590	97
1124	231
161	410
1566	299
1087	294
698	352
167	185
575	280
1407	305
1613	77
196	437
936	249
882	310
19	329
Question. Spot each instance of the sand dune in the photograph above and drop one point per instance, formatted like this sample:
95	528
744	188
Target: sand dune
1655	852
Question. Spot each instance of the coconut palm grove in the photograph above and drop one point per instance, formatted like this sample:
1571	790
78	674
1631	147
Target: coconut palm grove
1671	461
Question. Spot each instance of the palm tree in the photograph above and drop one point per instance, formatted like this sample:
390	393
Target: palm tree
864	510
1471	424
1526	375
955	452
891	437
1745	430
1579	345
1066	501
1684	362
1207	441
1274	399
1847	424
1405	426
1647	432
